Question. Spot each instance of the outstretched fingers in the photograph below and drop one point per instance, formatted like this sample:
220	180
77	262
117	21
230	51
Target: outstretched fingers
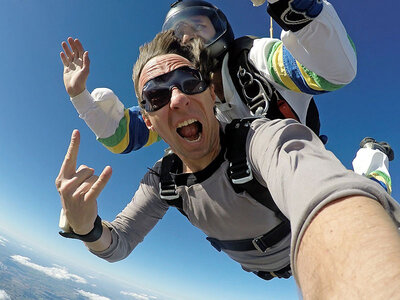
78	48
75	50
99	185
86	62
67	51
64	59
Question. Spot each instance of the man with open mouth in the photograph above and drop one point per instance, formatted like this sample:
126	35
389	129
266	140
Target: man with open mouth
334	230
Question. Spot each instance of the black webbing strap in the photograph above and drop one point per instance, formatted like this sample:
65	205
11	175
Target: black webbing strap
261	243
170	163
239	170
312	117
254	90
241	175
285	272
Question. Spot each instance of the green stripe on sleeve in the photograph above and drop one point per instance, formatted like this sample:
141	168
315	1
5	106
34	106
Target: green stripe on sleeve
118	136
322	82
270	65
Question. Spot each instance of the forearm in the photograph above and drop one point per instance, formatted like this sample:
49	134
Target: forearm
317	58
101	111
131	134
103	242
120	130
350	251
324	48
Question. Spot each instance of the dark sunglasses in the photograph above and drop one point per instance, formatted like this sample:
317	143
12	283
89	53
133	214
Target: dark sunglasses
157	92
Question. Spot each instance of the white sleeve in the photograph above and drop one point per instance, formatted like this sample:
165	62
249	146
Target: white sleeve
369	160
102	111
323	47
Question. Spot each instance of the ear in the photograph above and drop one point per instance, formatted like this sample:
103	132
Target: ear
147	121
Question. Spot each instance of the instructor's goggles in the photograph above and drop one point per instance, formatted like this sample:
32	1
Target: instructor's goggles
157	92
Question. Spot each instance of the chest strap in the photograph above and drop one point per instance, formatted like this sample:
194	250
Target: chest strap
170	163
261	243
239	170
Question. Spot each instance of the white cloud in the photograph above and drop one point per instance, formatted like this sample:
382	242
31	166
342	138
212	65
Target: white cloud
3	242
4	295
92	296
138	296
57	272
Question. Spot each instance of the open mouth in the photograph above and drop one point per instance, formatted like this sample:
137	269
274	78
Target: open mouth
190	130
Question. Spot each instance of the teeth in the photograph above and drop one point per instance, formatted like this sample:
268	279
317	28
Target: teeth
187	122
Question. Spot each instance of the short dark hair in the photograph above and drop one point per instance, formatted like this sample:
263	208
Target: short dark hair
167	43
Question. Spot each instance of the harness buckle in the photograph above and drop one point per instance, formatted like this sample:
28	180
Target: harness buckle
259	244
240	172
254	93
168	192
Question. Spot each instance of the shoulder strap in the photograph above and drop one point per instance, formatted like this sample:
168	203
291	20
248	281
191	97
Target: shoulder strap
239	170
170	163
253	88
312	118
257	93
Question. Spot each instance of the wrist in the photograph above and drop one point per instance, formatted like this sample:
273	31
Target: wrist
75	92
294	15
91	236
84	230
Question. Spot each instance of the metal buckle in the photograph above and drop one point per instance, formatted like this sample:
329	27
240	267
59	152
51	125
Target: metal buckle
258	243
168	194
255	103
245	179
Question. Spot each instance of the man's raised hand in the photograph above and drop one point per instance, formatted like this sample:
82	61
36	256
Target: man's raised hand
76	66
79	189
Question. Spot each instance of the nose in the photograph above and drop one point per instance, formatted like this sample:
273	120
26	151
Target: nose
178	99
187	37
186	31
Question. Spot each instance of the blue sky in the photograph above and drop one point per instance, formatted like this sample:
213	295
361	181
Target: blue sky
37	119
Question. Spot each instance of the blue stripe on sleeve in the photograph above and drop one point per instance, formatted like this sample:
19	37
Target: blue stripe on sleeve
138	132
294	73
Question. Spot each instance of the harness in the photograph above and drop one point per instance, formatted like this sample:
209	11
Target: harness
261	97
241	177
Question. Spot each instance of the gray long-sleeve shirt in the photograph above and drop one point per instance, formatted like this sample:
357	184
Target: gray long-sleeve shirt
301	175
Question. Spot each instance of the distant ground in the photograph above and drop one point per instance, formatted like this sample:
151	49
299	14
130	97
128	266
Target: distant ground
25	275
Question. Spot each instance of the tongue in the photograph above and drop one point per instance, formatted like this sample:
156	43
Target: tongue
189	132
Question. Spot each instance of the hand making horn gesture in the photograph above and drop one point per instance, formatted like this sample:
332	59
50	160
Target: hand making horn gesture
79	189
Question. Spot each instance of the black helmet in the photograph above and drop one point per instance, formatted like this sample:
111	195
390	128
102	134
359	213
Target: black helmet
181	10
